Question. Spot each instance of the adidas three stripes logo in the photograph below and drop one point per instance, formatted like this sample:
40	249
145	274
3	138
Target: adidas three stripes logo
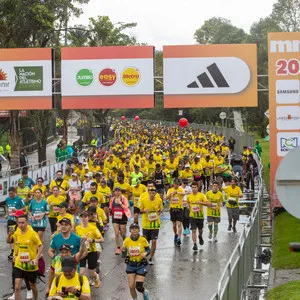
206	82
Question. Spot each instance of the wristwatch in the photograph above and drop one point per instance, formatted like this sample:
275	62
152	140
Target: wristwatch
78	293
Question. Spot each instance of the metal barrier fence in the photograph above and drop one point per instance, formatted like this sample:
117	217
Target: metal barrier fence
241	138
234	279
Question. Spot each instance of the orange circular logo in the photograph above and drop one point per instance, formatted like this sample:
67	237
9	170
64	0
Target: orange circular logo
131	76
107	77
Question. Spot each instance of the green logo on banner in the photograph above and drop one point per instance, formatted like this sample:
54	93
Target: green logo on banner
84	77
29	78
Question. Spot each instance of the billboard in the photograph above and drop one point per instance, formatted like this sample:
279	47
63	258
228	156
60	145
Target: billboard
26	79
210	76
284	99
107	77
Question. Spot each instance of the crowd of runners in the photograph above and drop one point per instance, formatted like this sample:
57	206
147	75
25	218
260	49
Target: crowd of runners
148	170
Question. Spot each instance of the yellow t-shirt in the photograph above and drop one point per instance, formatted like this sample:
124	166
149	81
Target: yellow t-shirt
151	220
196	209
91	232
232	193
137	191
54	209
135	248
23	193
63	186
176	200
197	169
75	281
88	195
43	188
216	199
105	191
126	188
27	245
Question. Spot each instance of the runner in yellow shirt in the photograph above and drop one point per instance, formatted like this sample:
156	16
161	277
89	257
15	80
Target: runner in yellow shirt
233	193
151	208
215	197
137	190
175	195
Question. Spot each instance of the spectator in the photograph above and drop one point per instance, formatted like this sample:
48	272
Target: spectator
258	149
24	159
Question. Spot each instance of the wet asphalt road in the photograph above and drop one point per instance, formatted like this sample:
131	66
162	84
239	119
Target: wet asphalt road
179	273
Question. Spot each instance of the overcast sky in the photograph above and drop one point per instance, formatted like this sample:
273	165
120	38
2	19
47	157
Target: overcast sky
174	22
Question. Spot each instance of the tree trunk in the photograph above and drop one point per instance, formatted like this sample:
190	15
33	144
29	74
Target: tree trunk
14	141
42	154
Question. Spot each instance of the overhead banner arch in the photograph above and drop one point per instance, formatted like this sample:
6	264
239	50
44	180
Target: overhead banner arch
26	78
107	77
210	76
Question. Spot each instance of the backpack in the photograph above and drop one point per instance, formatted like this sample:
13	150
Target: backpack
80	280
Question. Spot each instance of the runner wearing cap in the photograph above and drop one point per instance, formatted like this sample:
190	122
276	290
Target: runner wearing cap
119	208
63	213
97	214
24	192
135	249
74	192
65	236
215	197
88	180
175	194
233	193
56	267
70	285
137	190
93	235
151	208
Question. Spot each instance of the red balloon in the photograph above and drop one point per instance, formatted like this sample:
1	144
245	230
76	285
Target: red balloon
183	122
123	118
136	118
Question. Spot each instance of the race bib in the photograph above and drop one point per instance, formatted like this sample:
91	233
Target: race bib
175	200
55	209
24	257
118	215
195	208
134	251
38	216
152	217
158	181
185	203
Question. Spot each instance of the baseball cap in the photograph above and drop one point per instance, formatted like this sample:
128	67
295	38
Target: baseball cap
92	209
68	264
66	220
176	181
65	247
63	205
98	175
94	199
74	174
84	212
187	166
19	213
134	225
118	188
21	180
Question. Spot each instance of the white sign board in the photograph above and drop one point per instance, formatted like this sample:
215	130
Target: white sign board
222	115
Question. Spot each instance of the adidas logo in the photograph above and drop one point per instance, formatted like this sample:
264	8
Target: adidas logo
206	81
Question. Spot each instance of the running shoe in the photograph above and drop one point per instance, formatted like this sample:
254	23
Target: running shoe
97	282
178	242
11	255
215	239
234	229
151	263
210	235
175	238
12	297
146	295
201	241
229	228
195	248
29	295
118	251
